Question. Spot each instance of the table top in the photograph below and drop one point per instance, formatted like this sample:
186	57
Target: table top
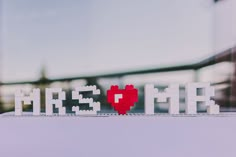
113	135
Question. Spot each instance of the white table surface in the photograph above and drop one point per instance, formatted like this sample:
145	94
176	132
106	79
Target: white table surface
115	136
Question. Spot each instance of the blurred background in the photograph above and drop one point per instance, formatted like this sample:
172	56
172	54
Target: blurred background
69	43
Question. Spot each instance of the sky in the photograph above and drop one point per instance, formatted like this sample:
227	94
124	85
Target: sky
77	37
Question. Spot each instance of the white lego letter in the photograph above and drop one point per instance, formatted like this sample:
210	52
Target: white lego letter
33	97
172	92
50	101
193	96
95	105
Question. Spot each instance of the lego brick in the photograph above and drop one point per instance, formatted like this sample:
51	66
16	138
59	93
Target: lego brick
57	102
33	97
122	99
213	108
192	97
172	92
77	96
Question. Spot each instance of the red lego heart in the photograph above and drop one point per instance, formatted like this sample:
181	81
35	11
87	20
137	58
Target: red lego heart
122	99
